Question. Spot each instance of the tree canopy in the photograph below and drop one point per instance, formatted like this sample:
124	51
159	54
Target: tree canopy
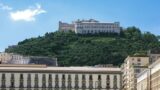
78	50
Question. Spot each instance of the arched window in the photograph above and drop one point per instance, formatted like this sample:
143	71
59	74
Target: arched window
56	81
3	85
108	82
29	81
12	80
90	82
69	81
76	81
50	81
21	81
83	81
43	81
36	81
63	81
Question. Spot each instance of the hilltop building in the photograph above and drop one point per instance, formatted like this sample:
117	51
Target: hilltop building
132	66
90	27
12	58
42	76
8	57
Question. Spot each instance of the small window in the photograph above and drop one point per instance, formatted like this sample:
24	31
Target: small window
3	85
138	64
83	81
36	81
63	81
12	80
90	82
108	82
76	81
99	77
99	82
50	81
69	81
139	60
43	81
56	81
137	70
115	82
21	81
29	81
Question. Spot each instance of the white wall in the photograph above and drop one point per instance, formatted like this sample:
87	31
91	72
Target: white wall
94	76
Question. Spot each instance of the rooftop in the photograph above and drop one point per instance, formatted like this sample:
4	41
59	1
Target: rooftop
43	68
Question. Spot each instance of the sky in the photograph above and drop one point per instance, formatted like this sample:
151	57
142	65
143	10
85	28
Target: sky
22	19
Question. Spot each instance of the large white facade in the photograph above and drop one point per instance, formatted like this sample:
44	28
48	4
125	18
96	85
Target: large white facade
149	79
32	76
90	27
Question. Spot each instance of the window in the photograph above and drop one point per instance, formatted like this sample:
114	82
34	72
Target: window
108	82
50	81
69	81
56	81
83	81
90	81
99	81
36	81
76	81
43	81
115	82
138	64
21	81
63	81
139	60
137	70
3	85
29	81
12	80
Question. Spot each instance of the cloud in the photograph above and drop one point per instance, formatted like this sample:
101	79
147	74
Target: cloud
27	14
5	7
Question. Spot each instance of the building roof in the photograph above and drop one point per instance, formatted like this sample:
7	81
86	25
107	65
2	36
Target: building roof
43	68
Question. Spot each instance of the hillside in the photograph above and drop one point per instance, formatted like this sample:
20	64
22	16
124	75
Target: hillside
79	50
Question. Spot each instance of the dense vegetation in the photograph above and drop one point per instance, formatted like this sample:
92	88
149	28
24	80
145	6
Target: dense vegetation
78	50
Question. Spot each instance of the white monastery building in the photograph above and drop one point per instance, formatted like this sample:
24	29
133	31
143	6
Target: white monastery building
90	27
